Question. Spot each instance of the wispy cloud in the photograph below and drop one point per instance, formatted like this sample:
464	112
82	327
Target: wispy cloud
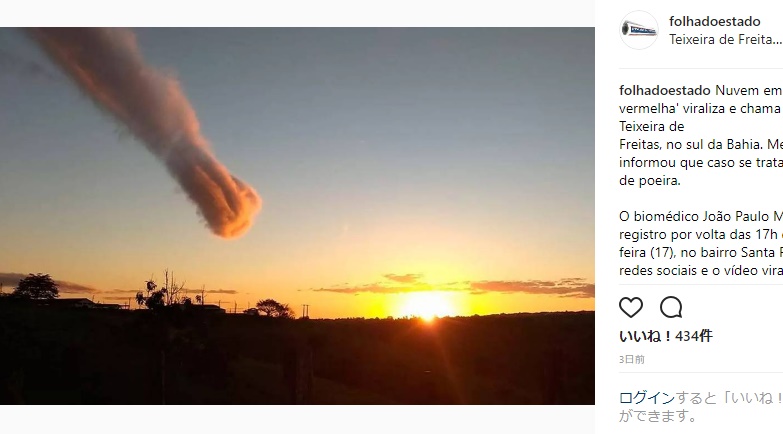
70	287
17	65
120	291
117	298
210	291
220	291
10	280
575	287
570	287
377	288
404	278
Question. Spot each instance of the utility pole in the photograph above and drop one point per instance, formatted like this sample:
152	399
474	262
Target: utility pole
163	376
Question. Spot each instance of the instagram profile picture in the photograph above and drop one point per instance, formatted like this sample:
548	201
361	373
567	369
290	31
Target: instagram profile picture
638	30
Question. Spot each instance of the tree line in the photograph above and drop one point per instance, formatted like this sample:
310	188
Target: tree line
170	294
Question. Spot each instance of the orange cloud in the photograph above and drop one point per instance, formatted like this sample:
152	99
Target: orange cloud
567	287
571	287
374	288
404	278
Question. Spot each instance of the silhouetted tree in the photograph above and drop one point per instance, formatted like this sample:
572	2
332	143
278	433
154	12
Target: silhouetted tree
37	287
156	298
285	311
268	306
274	309
171	288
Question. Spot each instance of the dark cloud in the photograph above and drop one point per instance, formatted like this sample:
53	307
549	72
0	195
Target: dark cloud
10	280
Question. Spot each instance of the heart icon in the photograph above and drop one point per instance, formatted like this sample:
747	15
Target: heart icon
631	306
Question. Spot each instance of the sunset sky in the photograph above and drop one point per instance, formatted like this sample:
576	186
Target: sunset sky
402	171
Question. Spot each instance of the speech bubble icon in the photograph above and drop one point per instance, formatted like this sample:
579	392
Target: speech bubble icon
671	307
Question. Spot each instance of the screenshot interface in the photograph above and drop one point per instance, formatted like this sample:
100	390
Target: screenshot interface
689	221
564	217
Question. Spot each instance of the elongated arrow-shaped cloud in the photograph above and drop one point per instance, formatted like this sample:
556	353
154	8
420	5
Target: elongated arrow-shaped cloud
107	65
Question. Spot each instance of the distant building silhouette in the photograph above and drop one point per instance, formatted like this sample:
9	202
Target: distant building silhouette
207	308
69	303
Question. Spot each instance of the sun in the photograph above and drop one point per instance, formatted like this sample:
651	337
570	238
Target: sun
427	305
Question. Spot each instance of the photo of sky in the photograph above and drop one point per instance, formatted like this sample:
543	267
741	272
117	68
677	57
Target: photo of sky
364	172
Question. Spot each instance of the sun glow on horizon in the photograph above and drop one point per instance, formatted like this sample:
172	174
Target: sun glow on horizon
427	305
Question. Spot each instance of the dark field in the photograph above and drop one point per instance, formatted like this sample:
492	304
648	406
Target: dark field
85	356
